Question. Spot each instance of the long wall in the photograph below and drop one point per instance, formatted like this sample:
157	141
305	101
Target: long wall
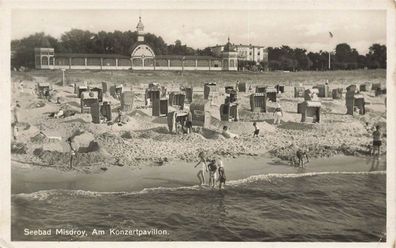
96	63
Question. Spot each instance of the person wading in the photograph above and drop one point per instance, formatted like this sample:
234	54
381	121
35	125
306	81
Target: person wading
377	142
73	152
201	169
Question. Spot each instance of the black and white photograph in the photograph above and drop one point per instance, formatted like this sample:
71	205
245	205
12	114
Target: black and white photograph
211	123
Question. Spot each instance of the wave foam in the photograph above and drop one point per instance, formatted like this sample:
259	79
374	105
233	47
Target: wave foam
45	194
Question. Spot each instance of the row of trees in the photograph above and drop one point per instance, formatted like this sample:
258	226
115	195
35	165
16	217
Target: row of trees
117	42
344	58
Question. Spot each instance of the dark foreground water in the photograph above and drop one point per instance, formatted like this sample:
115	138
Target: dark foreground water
294	207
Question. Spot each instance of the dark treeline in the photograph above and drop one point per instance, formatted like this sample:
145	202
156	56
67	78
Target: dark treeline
117	42
344	58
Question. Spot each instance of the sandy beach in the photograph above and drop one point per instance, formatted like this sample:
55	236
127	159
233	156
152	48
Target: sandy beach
144	138
152	123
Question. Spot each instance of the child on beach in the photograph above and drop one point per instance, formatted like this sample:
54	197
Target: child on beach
189	122
202	169
119	118
226	133
16	112
256	130
300	156
222	177
377	142
278	114
14	131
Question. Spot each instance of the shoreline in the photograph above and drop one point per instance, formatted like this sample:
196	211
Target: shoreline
174	174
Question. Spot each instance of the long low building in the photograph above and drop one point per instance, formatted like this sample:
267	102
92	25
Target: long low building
142	58
44	60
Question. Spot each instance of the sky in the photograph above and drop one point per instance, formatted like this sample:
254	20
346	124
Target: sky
307	29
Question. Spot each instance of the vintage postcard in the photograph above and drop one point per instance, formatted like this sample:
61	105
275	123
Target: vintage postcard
249	123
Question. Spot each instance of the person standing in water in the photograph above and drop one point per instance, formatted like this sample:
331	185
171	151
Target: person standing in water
72	152
222	177
202	168
377	142
301	154
212	173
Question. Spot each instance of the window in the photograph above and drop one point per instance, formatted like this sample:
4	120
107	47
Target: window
44	60
258	53
250	53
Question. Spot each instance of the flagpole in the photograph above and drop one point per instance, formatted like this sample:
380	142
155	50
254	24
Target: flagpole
329	61
331	36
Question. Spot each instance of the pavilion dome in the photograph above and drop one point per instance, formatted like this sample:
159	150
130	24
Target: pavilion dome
229	47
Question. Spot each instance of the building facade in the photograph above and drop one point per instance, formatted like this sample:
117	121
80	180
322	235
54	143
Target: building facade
246	52
142	57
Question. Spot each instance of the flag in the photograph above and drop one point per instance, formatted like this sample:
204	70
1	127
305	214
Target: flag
331	34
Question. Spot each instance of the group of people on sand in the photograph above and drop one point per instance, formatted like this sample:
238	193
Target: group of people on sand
214	167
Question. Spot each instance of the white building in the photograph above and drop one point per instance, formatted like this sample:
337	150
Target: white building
246	52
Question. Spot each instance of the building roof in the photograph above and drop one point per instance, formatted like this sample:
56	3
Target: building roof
250	45
91	55
45	49
94	55
238	45
229	47
138	43
184	57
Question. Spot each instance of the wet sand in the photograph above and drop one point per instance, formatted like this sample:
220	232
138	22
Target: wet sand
27	179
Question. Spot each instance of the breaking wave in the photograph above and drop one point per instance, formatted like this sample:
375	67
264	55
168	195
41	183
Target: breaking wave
45	194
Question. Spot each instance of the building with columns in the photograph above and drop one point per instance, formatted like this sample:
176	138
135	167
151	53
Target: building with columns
142	57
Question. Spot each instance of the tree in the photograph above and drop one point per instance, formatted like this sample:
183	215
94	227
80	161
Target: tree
206	52
345	57
157	43
179	49
303	61
80	41
376	57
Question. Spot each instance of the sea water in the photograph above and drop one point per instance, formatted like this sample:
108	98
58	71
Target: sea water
323	206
